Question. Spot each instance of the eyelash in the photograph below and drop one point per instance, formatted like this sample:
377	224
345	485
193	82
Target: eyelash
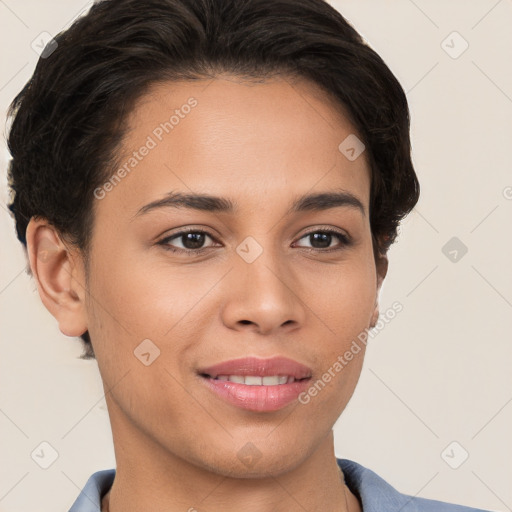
345	242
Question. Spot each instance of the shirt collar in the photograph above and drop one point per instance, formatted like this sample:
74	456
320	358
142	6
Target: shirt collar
89	499
374	493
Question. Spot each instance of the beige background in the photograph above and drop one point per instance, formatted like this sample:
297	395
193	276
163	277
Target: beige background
438	373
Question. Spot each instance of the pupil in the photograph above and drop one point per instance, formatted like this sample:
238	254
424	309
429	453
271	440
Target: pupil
323	238
193	240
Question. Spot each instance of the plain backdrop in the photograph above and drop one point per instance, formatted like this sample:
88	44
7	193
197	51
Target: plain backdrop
432	413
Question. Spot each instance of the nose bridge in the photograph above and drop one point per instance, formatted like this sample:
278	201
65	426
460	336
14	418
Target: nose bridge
262	292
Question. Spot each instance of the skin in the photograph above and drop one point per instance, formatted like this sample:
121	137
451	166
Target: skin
176	443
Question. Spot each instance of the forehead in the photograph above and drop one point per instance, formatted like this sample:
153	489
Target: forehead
270	140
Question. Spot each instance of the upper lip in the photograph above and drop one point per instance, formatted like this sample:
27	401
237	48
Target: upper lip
258	367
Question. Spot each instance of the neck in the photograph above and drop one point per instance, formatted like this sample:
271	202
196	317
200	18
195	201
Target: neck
148	477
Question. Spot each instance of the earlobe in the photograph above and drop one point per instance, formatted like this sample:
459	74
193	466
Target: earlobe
59	277
382	269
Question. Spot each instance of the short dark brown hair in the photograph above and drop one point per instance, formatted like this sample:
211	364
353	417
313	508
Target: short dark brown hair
67	122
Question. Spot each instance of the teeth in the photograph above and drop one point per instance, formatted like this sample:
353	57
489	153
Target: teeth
254	380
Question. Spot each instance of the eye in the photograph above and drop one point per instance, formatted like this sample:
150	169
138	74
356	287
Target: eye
191	241
321	240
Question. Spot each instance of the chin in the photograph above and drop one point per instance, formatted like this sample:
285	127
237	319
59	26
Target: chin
253	463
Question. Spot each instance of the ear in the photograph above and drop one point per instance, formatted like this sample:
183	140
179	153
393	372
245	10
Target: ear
59	275
381	266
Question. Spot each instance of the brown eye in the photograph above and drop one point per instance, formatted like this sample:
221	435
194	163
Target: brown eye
187	241
322	239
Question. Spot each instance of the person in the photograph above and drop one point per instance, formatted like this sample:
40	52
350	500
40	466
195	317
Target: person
207	192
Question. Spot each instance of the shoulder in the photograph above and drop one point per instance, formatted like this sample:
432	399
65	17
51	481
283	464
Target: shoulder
376	495
89	499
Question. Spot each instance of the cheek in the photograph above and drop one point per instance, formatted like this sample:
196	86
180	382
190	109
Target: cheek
345	306
134	292
132	300
344	297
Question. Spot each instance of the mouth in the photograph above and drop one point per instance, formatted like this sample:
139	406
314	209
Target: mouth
259	385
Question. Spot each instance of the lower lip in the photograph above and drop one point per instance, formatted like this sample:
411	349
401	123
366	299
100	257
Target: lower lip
257	398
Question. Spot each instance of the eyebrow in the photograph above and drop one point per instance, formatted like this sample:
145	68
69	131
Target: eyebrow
204	202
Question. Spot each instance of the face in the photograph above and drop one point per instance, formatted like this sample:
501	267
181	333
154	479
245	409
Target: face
262	273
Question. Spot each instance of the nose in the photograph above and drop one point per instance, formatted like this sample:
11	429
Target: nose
263	296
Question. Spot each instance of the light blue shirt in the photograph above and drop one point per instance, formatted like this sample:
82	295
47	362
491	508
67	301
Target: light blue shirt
373	492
